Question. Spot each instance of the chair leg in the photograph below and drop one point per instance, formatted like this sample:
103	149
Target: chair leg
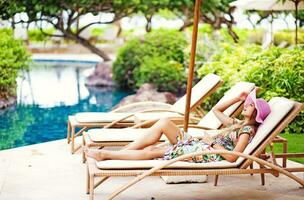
262	174
251	167
84	159
68	132
262	177
91	189
284	151
216	180
88	182
82	151
72	139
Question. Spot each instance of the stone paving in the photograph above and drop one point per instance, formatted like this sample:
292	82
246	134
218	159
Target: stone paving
48	171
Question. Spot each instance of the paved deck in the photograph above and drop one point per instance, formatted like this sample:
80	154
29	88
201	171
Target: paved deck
49	172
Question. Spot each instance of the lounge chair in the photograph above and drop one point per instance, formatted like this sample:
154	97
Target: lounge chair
120	117
283	111
120	137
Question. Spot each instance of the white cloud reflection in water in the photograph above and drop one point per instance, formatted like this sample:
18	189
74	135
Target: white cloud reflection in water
53	84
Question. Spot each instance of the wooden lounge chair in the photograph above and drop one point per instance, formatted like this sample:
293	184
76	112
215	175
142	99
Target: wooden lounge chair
120	137
120	117
283	111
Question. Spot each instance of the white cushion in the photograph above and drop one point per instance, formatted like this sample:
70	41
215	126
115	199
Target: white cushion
117	135
142	164
204	86
280	107
210	120
140	117
91	117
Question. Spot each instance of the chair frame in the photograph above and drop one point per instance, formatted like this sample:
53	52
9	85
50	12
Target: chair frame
72	123
86	141
265	167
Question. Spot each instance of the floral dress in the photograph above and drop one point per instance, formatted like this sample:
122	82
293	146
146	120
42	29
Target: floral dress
190	145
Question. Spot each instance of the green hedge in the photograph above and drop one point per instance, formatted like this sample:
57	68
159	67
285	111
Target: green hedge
13	57
277	71
166	75
288	37
143	61
35	35
129	58
254	36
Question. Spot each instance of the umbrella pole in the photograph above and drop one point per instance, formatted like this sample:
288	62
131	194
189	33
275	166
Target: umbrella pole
192	62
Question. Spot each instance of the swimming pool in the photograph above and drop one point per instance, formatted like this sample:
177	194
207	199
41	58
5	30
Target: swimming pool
46	95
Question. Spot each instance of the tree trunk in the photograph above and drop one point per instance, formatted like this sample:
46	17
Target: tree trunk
88	45
186	24
149	23
296	21
234	36
118	24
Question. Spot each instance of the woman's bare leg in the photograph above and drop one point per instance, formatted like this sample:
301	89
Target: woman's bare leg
153	134
144	154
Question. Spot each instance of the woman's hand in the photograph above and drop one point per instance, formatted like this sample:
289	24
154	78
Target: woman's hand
218	110
243	96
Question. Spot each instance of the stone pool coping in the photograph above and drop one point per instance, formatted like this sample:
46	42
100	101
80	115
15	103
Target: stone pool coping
52	57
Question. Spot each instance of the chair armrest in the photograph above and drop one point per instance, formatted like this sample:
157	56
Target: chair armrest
144	104
132	114
144	111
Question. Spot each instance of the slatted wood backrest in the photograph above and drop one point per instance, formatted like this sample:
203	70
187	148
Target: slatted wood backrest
203	89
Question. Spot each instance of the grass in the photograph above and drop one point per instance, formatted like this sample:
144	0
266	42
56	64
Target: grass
295	145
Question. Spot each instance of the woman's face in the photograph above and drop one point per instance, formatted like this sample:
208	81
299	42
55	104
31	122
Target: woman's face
248	110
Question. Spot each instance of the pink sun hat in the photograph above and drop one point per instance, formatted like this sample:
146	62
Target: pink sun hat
262	107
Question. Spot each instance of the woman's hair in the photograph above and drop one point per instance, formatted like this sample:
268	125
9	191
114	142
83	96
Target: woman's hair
253	116
239	125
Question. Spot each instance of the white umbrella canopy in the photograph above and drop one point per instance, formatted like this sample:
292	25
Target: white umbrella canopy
267	5
271	5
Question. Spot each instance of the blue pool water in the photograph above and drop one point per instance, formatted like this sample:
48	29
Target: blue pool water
46	95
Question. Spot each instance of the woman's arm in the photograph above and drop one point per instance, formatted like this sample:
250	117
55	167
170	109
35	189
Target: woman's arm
219	109
240	146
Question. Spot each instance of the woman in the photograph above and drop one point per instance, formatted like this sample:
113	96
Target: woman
235	137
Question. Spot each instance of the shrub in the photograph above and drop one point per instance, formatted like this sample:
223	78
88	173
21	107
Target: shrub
281	75
256	36
13	57
35	35
242	34
169	45
167	75
227	62
277	71
288	37
97	31
129	57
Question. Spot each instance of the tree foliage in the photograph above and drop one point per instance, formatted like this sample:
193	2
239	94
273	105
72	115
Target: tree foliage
158	59
13	57
276	71
64	15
